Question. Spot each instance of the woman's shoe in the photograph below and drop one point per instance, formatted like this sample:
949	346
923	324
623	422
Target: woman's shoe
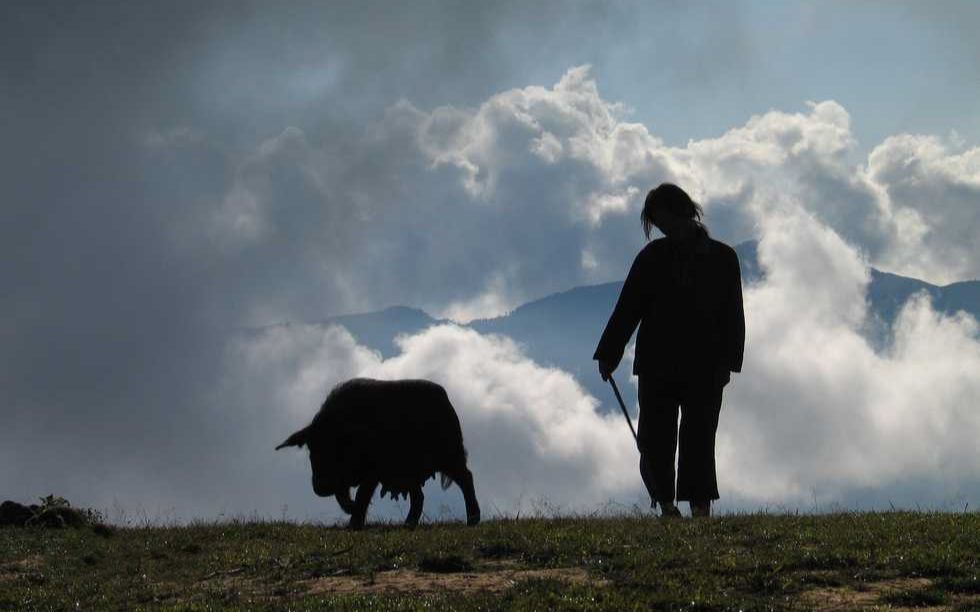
669	510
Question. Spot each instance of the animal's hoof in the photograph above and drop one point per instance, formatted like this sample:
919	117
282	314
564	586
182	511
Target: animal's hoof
472	519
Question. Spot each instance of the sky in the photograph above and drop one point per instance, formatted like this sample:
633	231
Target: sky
177	175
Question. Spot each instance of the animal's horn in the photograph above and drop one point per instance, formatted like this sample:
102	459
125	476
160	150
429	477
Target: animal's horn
297	439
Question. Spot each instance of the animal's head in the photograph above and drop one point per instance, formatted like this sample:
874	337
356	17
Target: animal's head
322	465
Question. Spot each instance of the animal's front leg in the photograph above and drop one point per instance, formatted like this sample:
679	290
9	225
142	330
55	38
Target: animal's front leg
415	511
464	478
364	494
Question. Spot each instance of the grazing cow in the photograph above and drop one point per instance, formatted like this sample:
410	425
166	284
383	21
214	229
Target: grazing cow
395	433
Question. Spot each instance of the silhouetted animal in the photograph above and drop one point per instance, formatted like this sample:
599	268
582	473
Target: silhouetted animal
395	433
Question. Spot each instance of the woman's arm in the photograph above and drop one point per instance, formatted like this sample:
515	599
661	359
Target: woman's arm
736	317
624	319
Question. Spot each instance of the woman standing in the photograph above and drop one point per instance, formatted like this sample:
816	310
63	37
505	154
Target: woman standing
685	293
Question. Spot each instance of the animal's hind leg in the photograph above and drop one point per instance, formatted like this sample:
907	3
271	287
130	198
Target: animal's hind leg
464	478
415	511
364	494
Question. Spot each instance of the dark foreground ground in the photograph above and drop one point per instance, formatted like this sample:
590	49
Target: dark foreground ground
839	561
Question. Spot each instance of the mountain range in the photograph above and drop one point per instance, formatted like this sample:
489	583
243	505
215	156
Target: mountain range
562	329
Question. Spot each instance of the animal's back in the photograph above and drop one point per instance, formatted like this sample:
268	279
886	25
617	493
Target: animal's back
409	426
393	401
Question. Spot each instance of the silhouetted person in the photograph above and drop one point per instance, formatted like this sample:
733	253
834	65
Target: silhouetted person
685	292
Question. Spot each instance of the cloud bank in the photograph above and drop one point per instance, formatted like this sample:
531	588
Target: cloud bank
534	438
911	205
820	414
471	211
818	419
467	211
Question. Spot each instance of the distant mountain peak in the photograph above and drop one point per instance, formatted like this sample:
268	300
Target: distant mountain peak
561	329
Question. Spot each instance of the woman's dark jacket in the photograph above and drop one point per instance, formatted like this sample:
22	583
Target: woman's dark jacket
686	296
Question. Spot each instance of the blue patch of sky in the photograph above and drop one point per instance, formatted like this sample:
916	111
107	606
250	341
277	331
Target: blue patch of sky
895	67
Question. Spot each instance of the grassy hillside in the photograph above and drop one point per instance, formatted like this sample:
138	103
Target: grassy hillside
840	561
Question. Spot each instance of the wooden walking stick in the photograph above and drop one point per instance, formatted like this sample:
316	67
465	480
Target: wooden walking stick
622	405
647	478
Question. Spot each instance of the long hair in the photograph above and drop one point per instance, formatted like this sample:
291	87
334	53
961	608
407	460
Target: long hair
668	196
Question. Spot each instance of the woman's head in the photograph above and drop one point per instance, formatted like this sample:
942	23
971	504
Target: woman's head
671	210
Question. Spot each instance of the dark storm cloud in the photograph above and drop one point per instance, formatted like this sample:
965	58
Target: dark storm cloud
125	129
98	312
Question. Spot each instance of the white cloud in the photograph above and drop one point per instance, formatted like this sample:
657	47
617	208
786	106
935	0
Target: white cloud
492	302
469	212
911	205
600	204
568	123
933	197
817	409
253	205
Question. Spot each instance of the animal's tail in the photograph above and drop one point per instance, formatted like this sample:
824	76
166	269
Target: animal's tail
446	482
